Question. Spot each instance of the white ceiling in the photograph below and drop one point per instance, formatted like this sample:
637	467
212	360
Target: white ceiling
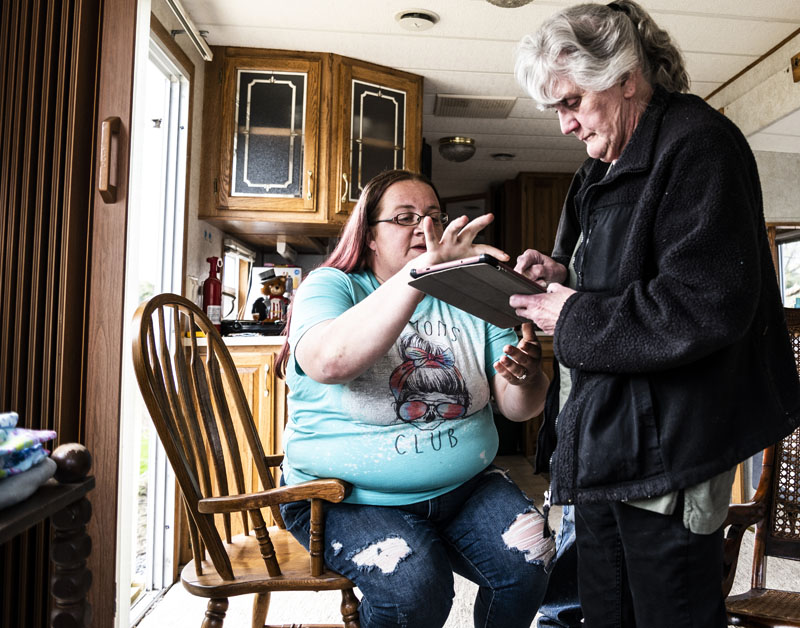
471	52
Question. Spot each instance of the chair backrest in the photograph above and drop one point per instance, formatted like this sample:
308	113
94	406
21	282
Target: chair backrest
195	398
779	533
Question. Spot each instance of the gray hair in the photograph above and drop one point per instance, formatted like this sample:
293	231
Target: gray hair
595	46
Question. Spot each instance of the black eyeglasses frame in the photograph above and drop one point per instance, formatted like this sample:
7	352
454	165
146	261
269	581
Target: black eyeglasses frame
439	218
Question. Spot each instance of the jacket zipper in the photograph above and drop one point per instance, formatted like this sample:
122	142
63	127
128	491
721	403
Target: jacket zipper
546	531
586	227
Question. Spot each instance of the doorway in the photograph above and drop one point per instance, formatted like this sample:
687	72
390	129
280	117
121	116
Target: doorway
154	264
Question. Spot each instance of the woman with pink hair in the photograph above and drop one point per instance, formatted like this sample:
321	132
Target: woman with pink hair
390	391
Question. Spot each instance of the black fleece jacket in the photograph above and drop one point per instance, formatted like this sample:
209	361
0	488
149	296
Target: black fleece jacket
676	339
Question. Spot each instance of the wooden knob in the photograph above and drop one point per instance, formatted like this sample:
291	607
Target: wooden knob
73	462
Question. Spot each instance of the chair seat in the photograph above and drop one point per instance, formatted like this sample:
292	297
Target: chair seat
781	607
251	572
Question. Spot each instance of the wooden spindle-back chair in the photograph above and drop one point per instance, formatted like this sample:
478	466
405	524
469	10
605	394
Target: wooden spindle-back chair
196	400
775	510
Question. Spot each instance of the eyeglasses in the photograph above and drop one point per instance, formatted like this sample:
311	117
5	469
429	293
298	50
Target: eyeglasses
411	219
415	410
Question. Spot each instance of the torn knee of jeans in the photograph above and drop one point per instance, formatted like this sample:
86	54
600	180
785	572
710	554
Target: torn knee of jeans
498	471
526	535
384	555
504	474
336	547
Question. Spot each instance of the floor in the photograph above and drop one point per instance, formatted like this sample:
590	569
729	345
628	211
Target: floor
178	608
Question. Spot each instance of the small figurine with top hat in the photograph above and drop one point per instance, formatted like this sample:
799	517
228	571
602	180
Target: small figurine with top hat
271	308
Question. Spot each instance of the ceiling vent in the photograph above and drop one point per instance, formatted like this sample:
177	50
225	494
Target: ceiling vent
473	106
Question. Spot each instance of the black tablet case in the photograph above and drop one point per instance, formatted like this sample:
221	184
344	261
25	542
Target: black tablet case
480	288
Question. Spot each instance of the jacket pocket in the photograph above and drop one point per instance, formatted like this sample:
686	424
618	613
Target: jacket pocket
602	248
618	439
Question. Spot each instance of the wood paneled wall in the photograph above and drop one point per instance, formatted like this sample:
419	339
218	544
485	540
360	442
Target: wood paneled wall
48	67
527	210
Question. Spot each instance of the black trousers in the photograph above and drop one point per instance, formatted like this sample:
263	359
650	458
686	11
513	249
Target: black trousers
641	569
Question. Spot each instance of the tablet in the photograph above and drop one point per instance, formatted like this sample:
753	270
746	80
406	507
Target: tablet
480	285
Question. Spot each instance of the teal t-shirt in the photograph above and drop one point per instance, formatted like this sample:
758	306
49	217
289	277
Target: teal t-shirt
415	425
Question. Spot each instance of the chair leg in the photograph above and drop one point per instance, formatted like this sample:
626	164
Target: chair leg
260	608
349	609
215	613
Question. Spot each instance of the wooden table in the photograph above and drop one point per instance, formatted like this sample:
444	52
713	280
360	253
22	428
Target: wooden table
69	511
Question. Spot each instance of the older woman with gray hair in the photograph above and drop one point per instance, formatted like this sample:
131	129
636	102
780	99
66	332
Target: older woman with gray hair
666	317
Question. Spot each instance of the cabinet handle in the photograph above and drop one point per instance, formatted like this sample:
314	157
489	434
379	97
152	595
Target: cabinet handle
346	187
108	128
310	174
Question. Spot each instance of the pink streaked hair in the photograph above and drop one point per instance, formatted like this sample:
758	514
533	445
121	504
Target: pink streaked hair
350	254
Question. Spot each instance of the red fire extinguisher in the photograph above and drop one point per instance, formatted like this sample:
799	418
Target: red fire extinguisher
212	292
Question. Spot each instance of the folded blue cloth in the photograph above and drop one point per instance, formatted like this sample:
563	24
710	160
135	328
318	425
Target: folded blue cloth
20	448
19	461
7	419
21	486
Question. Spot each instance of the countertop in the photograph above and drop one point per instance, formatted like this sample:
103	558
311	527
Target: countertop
241	340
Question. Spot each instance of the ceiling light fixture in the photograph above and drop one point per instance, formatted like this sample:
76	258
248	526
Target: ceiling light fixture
416	19
509	4
503	156
456	148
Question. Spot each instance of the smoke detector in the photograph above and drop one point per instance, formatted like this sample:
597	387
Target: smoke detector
509	4
416	19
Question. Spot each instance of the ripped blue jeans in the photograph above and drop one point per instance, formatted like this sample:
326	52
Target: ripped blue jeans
402	558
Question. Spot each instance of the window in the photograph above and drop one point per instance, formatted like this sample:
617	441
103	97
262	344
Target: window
788	241
237	264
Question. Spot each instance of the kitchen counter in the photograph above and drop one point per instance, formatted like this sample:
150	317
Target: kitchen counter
241	340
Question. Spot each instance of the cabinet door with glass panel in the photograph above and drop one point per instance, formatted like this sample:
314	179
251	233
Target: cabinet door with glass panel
377	126
270	132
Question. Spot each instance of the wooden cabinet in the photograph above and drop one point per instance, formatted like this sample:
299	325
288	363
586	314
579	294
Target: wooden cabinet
531	429
265	392
528	211
264	125
521	437
268	156
378	126
289	138
266	396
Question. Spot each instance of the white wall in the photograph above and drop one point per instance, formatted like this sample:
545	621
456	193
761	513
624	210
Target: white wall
763	95
780	185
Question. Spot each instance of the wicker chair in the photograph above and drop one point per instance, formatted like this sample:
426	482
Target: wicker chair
775	510
198	406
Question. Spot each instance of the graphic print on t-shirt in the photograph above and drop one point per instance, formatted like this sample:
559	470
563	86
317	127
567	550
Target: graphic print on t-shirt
427	387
